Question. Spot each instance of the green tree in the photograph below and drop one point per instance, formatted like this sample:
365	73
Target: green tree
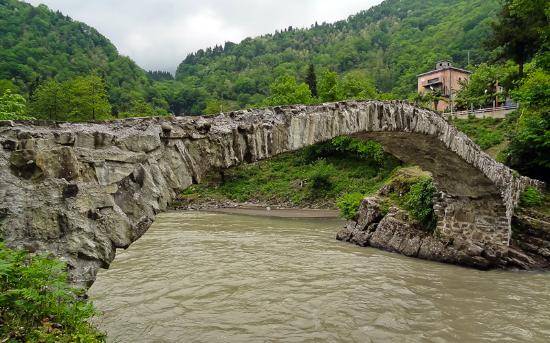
357	86
328	86
311	80
37	43
218	106
534	91
8	84
529	148
394	42
50	101
518	33
286	91
481	89
138	108
12	106
88	99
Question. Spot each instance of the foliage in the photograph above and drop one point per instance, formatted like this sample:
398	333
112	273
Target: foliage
428	100
485	132
481	90
311	80
292	179
159	75
319	182
419	202
354	85
49	101
79	99
531	197
534	90
12	106
38	305
8	85
518	33
220	106
366	150
529	148
286	91
88	99
37	44
328	86
349	205
393	41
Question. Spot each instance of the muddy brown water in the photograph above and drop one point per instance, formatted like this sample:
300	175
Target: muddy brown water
213	277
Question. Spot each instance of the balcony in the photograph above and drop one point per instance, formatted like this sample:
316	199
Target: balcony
433	82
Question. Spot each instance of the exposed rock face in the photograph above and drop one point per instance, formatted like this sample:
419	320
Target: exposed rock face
397	232
83	190
530	243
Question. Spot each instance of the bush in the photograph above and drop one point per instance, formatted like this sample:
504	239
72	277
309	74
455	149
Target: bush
530	143
485	132
419	202
38	305
349	205
530	146
531	197
369	151
320	179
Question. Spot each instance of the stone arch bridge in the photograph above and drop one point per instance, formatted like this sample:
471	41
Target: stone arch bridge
82	190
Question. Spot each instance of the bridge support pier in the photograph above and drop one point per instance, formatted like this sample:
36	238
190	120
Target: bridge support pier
467	221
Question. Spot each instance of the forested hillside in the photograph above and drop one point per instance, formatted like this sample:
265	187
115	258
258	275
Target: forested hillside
37	44
392	43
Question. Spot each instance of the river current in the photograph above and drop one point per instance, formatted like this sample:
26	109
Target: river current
203	277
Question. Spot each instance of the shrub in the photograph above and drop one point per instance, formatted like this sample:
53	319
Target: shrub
320	179
419	202
531	197
369	151
349	205
530	146
38	305
486	132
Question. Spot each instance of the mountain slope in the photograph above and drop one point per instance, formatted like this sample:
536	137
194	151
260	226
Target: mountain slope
393	42
37	43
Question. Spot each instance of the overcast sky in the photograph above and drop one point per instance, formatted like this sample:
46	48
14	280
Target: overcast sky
158	34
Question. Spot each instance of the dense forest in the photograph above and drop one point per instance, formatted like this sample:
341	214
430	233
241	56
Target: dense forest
381	49
390	43
37	44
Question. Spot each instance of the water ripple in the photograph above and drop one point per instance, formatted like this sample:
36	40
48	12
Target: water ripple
200	277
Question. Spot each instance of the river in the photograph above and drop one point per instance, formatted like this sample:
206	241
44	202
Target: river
203	277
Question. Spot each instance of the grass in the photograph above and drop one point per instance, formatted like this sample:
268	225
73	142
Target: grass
315	177
489	133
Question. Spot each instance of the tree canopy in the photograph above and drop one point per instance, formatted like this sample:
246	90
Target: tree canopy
38	44
521	29
391	43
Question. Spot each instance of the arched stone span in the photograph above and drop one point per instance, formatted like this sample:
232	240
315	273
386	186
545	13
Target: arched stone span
83	190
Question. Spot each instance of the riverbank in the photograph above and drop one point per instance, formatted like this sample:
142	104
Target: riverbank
278	212
257	209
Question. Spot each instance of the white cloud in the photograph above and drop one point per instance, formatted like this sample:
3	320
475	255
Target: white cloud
159	34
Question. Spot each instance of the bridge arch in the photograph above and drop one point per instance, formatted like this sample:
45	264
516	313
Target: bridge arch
82	190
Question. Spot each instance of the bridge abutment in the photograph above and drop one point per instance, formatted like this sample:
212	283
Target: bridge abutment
473	222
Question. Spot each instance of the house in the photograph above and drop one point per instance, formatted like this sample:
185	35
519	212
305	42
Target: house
445	80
